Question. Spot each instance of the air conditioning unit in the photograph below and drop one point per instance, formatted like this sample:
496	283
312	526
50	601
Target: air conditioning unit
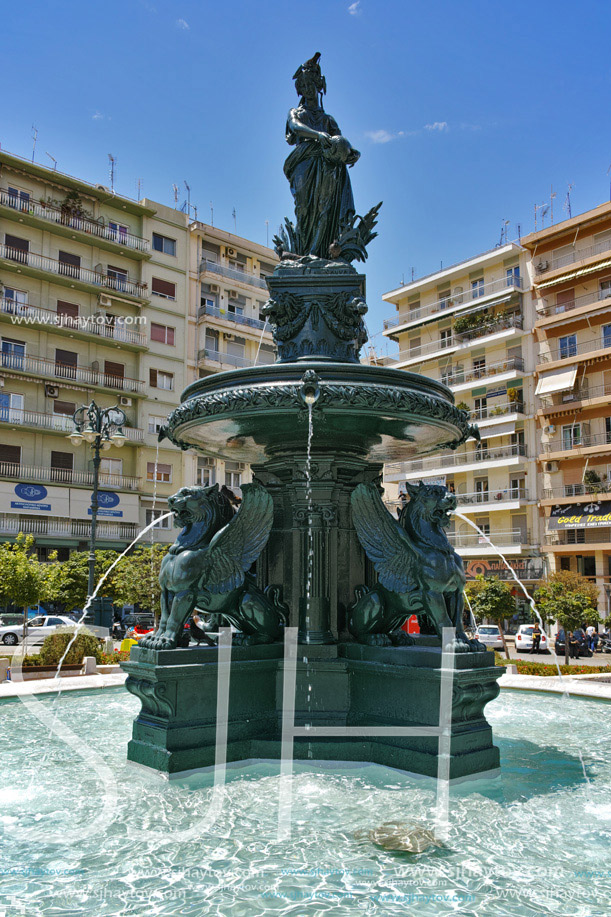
125	402
551	467
231	253
550	429
214	288
105	300
233	294
51	391
542	266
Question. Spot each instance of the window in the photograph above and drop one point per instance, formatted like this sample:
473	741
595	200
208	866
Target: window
118	232
608	429
117	278
445	338
513	276
606	335
15	301
9	455
156	422
69	265
109	466
162	333
267	354
113	372
483	523
481	490
61	466
164	473
13	353
11	407
477	288
415	345
67	312
19	199
163	244
481	408
479	367
18	248
236	348
65	408
152	514
444	300
233	475
212	341
481	450
160	379
163	288
206	471
571	436
604	289
568	346
565	300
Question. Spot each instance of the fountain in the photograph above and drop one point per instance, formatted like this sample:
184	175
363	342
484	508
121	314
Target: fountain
334	570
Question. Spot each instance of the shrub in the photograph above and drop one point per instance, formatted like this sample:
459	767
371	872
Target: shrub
543	668
113	658
55	645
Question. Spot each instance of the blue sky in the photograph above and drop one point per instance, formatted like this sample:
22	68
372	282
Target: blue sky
466	113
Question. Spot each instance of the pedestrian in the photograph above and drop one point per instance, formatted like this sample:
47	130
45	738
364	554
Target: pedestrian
573	646
591	637
536	639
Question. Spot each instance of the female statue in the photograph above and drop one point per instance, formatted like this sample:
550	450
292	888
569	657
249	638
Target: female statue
317	167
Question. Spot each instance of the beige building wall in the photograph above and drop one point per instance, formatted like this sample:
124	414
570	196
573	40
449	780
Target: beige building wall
470	326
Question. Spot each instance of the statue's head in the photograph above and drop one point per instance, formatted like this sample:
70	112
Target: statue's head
201	504
309	81
432	502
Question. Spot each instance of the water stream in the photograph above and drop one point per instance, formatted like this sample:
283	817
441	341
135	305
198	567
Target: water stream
310	543
260	342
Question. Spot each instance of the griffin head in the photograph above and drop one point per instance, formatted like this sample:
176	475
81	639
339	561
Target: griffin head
432	501
201	504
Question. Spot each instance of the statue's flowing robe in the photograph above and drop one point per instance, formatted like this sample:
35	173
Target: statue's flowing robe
321	189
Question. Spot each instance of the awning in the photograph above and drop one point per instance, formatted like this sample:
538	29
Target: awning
596	514
572	275
558	380
501	429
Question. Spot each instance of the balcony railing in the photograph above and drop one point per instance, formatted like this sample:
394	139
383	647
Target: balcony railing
82	224
496	410
26	314
551	261
65	476
232	273
462	339
232	317
464	299
39	366
546	309
508	495
579	537
576	490
74	272
578	441
66	528
577	349
499	539
229	359
583	393
450	459
491	369
59	423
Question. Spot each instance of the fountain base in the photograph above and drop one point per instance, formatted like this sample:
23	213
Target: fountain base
337	686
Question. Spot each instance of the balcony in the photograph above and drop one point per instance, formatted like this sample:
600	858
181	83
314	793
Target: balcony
578	443
53	214
247	277
576	491
472	543
553	262
500	497
515	364
512	454
54	423
578	396
227	316
577	350
492	288
579	539
82	275
11	524
39	366
491	412
547	310
458	341
26	314
65	476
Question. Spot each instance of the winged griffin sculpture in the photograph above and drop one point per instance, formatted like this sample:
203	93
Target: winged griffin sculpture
207	566
418	570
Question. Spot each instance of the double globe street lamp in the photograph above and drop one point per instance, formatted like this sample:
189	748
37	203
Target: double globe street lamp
99	428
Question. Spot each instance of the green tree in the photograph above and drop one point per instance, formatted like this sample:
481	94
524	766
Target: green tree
570	607
491	598
67	579
22	576
135	579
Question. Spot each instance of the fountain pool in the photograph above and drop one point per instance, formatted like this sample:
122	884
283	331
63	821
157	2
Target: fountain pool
523	844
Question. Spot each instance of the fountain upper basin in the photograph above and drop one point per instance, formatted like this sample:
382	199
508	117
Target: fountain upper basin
380	414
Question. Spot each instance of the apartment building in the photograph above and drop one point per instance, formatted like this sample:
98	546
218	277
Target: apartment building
570	272
228	291
469	326
93	305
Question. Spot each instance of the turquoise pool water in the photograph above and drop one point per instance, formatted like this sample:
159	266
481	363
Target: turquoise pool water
85	833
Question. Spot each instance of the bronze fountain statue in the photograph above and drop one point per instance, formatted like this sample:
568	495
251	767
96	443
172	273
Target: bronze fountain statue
329	559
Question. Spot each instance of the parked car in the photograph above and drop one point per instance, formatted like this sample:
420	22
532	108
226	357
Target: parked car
36	629
584	649
489	635
6	620
524	639
129	622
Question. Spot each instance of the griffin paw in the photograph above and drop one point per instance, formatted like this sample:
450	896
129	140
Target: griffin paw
401	638
376	640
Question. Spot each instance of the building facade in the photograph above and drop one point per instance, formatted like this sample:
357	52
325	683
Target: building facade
570	272
470	327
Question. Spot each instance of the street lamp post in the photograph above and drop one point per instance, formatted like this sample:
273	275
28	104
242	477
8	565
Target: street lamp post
101	429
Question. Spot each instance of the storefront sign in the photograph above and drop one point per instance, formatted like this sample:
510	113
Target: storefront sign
525	568
595	514
123	507
34	498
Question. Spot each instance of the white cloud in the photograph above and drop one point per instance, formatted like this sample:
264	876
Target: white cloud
437	126
98	116
182	24
355	8
383	136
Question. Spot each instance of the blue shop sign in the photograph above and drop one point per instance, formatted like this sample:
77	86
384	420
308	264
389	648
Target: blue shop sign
30	497
106	503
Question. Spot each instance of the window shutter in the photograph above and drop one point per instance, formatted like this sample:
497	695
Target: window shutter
114	369
69	309
62	460
170	337
64	407
66	357
153	378
10	454
163	288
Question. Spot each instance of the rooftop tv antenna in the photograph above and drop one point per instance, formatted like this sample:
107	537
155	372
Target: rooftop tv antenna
567	201
53	159
552	195
235	220
267	233
112	161
138	189
175	190
541	208
211	214
34	138
188	187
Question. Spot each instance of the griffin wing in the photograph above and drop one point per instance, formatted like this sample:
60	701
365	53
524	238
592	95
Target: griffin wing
238	544
382	538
